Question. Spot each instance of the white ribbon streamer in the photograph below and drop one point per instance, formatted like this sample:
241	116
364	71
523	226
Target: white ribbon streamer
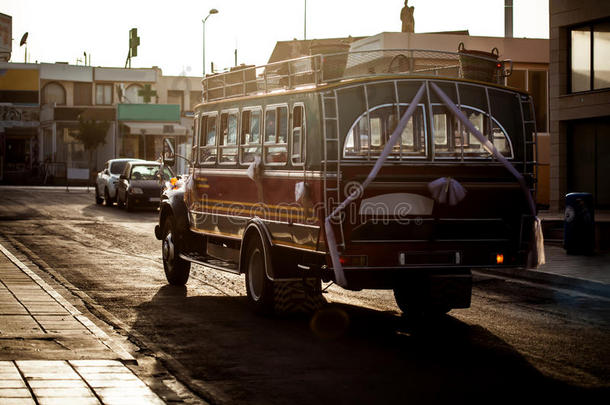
330	234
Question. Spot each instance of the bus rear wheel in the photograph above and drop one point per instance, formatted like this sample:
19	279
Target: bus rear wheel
417	306
258	286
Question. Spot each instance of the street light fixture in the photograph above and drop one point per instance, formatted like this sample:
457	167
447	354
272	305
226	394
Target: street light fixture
212	11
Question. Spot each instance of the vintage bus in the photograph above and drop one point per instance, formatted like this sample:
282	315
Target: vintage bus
393	169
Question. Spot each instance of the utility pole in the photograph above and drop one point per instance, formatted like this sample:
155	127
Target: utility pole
305	22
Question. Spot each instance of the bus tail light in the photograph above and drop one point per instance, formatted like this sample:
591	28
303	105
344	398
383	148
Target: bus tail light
499	258
360	260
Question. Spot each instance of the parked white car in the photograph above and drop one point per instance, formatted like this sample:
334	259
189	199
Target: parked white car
107	180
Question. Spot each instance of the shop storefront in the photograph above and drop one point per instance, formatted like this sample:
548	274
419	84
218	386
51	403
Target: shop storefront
19	146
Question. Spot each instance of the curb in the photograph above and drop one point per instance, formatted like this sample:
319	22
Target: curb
551	279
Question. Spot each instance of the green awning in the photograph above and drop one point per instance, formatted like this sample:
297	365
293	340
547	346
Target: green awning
149	112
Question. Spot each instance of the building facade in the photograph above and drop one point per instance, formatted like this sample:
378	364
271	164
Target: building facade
580	100
42	105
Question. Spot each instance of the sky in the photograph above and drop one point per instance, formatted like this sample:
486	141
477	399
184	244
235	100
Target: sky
171	32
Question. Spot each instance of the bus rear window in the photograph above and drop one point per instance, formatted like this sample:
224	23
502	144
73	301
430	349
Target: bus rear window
452	139
372	130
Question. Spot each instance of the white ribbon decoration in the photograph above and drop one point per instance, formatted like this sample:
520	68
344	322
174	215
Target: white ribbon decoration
330	234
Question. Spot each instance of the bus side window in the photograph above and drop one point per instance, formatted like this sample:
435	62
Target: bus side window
196	137
250	135
276	131
207	148
298	135
228	140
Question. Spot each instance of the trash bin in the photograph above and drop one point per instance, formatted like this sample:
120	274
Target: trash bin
579	224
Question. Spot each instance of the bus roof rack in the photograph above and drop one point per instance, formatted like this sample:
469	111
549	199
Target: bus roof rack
320	69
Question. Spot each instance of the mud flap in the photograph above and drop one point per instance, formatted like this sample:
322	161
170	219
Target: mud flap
298	297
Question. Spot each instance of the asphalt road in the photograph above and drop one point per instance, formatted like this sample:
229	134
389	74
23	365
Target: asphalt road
518	341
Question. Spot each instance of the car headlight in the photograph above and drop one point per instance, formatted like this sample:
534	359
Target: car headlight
136	190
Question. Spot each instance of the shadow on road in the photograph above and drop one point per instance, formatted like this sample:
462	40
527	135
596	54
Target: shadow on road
380	358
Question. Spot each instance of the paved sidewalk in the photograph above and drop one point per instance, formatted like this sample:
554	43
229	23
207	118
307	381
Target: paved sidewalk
588	274
50	353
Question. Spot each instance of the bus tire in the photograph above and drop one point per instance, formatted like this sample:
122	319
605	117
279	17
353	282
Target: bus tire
258	285
301	296
177	270
415	306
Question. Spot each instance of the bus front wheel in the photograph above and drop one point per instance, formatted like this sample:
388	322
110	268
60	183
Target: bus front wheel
258	286
177	270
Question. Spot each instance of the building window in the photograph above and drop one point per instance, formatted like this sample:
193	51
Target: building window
103	94
132	94
588	148
590	57
82	93
534	82
54	93
175	97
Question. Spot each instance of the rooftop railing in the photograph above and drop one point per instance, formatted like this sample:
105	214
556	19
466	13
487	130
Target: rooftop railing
321	69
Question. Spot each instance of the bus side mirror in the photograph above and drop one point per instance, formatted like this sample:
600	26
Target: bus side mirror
169	154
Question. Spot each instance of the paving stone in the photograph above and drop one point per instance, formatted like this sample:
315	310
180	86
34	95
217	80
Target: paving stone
68	401
57	384
12	309
133	401
8	367
70	392
127	396
119	369
6	383
17	401
94	363
108	377
15	393
30	366
114	383
6	375
15	324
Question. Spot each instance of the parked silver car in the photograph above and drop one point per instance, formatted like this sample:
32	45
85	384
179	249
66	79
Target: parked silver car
107	180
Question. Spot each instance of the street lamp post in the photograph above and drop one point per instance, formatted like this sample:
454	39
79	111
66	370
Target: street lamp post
212	11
